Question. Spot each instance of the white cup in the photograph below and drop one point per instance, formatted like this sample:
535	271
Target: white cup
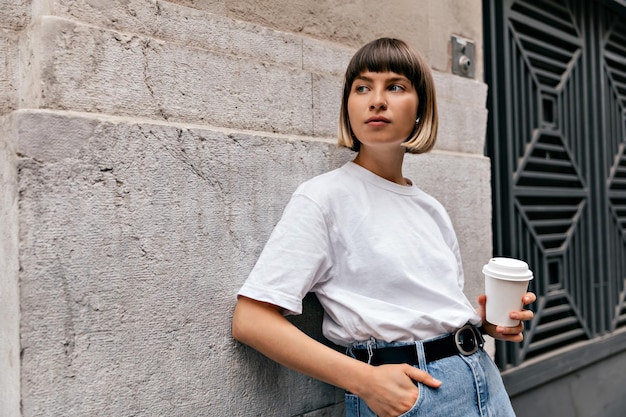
506	282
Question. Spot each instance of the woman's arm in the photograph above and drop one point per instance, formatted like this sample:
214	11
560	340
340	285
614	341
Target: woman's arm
388	390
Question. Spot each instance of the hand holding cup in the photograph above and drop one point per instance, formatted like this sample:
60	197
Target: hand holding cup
501	309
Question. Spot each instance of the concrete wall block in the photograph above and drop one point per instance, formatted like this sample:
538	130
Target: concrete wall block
135	243
15	14
348	23
188	27
129	75
462	114
132	250
327	92
9	278
52	136
194	28
78	67
325	57
462	129
459	90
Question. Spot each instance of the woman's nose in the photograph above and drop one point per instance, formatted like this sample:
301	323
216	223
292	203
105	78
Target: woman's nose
378	102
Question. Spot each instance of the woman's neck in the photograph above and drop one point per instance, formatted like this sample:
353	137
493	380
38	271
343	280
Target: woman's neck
387	165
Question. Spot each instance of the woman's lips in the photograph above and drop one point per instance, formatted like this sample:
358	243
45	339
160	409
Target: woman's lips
377	121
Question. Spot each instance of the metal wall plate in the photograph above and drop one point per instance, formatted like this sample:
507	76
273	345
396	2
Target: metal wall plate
463	57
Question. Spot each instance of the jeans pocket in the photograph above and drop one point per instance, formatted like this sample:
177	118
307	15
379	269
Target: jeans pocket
356	407
420	399
352	405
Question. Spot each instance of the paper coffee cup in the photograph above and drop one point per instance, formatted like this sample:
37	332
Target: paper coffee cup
506	282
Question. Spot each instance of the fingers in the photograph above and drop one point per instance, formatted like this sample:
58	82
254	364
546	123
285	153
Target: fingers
421	376
529	298
521	315
482	299
505	330
509	334
524	315
391	390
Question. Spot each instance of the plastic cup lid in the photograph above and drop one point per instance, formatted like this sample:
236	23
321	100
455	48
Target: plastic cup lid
508	269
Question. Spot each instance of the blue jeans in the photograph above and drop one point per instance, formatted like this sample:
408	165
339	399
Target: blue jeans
471	387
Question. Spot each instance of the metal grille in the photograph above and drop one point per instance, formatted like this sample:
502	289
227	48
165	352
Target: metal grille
557	76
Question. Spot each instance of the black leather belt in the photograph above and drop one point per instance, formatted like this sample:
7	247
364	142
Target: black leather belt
465	341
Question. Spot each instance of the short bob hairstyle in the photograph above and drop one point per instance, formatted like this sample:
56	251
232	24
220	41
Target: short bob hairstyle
387	54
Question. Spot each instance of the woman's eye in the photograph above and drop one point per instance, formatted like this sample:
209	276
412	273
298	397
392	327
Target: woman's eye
396	87
360	89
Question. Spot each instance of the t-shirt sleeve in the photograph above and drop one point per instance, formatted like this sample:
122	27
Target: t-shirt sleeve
294	259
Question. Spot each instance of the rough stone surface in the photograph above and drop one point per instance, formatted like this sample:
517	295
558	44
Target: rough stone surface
9	285
15	14
9	58
193	28
133	247
135	240
143	77
462	114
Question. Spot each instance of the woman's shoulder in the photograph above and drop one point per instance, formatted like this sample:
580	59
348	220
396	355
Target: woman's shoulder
326	184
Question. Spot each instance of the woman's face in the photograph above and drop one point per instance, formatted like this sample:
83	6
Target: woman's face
382	107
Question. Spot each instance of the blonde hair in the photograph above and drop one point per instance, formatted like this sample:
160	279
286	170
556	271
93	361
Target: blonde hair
387	54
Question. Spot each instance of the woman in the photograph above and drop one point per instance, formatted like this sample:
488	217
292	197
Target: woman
383	259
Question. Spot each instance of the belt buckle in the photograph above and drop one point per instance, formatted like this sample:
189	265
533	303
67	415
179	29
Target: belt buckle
461	340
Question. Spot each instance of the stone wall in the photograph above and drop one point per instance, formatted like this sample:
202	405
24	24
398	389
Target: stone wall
147	149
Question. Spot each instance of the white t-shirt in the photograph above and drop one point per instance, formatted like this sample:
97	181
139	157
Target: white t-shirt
382	258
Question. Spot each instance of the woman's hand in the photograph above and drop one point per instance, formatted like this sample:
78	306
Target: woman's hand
391	389
510	334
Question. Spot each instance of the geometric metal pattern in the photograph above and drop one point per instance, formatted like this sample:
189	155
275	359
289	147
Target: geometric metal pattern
614	81
557	140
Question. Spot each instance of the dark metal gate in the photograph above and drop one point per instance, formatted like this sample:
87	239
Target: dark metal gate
556	71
